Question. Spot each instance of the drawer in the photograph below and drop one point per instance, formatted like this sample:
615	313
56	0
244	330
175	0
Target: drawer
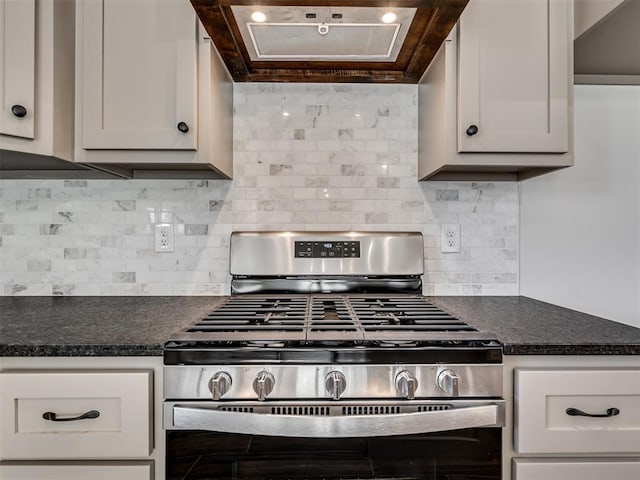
122	428
77	471
576	469
542	424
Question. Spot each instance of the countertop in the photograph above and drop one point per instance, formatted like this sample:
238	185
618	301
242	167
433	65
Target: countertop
130	326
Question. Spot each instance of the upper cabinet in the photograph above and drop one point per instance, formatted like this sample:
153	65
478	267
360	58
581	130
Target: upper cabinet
139	75
18	67
36	77
495	102
153	99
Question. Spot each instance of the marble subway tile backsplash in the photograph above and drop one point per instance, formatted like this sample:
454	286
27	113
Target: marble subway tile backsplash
307	157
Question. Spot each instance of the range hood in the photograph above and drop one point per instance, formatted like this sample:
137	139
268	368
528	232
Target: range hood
328	40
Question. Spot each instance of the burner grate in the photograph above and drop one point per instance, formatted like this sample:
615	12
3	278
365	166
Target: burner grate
327	319
250	314
413	314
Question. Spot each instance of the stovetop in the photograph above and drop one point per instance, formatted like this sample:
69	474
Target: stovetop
301	327
314	319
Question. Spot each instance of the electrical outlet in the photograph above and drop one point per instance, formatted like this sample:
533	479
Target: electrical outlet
451	238
164	237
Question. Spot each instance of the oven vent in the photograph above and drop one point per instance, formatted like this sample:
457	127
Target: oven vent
370	410
237	409
433	408
306	411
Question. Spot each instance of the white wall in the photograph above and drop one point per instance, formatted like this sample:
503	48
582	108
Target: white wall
580	227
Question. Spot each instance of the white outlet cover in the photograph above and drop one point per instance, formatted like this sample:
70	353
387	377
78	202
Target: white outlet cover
163	237
451	238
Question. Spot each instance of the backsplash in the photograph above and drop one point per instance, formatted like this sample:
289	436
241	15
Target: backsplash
307	157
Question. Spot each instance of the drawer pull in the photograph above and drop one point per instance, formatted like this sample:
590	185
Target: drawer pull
574	412
54	416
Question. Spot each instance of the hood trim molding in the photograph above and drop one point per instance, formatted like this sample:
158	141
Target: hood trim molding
430	26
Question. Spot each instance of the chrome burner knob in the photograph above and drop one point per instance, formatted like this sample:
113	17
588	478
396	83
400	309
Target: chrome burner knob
335	383
263	384
219	384
406	384
448	381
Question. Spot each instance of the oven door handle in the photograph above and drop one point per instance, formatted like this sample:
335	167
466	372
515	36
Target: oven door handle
203	418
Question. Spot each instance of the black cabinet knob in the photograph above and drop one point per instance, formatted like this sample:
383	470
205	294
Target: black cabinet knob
183	127
19	111
472	130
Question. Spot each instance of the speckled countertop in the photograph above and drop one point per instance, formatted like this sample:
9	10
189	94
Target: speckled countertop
122	326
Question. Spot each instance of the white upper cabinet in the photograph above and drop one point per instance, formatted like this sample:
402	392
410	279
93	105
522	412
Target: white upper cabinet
513	58
495	101
138	62
513	76
17	67
36	77
153	98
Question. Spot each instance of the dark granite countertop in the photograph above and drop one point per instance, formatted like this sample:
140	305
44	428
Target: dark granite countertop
94	326
122	326
529	327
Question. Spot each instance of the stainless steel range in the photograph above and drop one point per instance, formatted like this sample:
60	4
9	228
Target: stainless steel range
327	362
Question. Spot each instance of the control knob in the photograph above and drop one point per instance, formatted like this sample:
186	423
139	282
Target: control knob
448	381
406	384
219	384
263	384
335	383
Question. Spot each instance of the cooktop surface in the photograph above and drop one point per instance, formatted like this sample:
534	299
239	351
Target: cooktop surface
315	319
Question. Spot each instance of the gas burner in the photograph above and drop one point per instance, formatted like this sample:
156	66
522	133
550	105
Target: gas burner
397	343
264	344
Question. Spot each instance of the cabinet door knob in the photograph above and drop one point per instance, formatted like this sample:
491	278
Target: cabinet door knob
183	127
472	130
19	111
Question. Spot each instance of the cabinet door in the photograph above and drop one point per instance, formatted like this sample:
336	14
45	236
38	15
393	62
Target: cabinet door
577	411
17	67
514	58
103	414
139	74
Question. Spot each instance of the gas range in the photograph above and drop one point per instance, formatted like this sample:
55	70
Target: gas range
326	362
307	304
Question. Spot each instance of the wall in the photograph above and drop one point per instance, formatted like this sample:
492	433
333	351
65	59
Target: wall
580	228
307	157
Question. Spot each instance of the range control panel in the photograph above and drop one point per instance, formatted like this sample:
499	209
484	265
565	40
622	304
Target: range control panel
327	249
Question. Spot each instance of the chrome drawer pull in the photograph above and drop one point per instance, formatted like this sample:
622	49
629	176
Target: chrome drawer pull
574	412
54	416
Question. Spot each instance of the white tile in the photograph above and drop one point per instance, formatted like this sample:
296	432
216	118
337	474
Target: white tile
320	168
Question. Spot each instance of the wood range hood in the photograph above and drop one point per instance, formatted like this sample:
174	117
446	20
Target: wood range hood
328	40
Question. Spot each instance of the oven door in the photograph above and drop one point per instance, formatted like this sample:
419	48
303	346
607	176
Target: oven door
457	440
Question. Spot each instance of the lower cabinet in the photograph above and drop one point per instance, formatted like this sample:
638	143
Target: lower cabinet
576	422
79	418
77	471
75	414
577	410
